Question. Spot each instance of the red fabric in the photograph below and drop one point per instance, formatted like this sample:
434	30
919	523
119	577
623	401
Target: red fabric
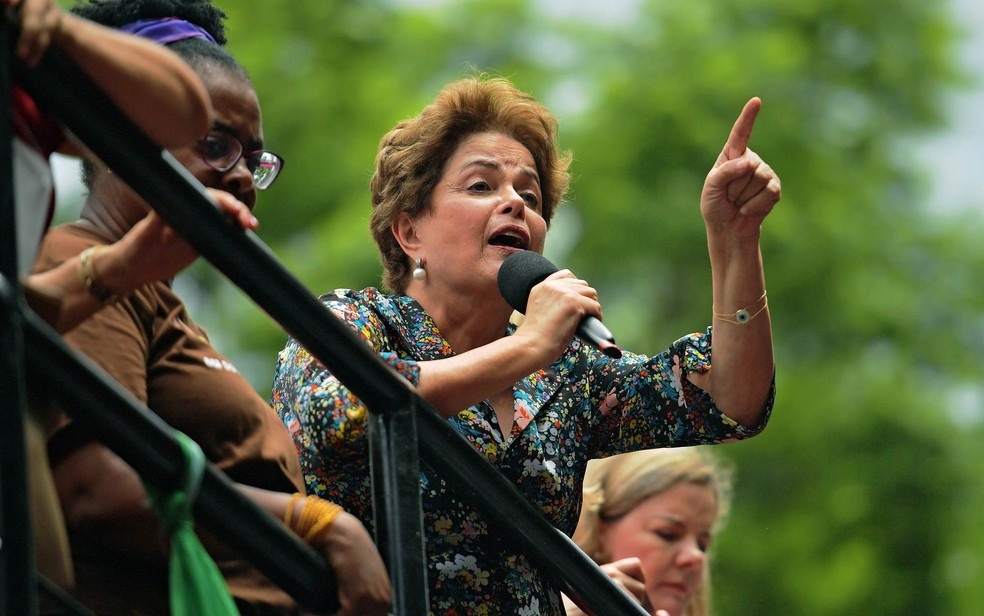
38	130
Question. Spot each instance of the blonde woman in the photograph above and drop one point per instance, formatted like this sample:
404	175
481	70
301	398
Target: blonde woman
649	518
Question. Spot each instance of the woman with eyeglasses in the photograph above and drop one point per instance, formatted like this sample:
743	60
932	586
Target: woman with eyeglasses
146	340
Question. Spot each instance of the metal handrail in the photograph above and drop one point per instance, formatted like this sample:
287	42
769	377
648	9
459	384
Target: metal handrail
16	552
103	408
247	262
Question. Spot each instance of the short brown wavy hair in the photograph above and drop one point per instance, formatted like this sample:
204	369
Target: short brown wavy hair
411	157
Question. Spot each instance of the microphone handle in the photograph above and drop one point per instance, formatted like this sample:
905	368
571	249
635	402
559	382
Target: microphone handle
594	332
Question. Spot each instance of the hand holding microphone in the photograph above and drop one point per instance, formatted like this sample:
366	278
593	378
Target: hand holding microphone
521	271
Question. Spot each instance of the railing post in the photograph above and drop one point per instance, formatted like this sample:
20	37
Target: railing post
18	592
395	468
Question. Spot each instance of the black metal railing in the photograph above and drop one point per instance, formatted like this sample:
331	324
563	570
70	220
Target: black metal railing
17	570
402	424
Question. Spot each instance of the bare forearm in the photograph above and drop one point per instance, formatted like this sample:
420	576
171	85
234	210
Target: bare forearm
743	364
104	499
151	84
363	584
458	382
149	252
78	302
740	191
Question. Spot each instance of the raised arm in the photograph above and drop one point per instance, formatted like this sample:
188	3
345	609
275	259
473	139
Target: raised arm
739	192
151	84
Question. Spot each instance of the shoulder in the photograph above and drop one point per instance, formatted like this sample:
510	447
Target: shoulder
368	303
347	303
369	295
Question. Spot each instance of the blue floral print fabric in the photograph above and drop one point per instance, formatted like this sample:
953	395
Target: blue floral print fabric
584	406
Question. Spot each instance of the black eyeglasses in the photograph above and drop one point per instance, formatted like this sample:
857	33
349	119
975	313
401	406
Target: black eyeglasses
222	151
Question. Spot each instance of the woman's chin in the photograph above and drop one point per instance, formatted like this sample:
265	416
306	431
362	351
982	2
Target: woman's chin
671	605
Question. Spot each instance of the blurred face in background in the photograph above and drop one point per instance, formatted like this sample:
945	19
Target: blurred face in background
670	533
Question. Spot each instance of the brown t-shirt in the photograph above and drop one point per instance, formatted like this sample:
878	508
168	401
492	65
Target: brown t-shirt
147	342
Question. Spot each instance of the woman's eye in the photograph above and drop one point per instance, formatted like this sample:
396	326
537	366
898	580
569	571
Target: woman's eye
480	186
666	535
215	147
532	200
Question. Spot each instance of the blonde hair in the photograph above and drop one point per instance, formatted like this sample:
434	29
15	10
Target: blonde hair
411	157
616	485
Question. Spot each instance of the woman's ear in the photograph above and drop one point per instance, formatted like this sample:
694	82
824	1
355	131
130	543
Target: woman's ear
405	233
601	554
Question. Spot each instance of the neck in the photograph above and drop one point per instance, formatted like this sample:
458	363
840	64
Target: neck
112	207
466	322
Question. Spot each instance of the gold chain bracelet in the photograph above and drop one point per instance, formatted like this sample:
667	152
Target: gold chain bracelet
89	278
742	315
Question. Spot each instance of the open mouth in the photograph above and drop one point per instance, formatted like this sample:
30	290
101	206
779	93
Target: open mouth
510	238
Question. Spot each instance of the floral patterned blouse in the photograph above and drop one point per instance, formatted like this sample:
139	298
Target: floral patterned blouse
584	406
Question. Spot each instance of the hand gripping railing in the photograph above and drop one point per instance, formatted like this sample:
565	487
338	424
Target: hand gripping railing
397	411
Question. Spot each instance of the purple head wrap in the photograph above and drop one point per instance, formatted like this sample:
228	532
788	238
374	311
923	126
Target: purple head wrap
166	30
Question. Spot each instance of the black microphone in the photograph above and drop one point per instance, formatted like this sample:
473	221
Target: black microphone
521	271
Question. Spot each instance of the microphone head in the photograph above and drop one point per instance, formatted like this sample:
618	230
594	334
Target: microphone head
519	273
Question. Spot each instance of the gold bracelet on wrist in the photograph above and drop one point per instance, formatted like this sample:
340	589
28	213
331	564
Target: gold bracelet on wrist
89	277
742	315
316	515
289	512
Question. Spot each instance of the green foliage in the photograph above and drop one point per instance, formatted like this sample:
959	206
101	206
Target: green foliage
862	496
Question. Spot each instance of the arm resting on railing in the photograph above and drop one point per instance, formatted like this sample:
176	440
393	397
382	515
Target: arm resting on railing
147	444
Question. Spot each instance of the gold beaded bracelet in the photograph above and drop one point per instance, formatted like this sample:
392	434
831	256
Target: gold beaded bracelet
289	513
742	316
89	278
316	515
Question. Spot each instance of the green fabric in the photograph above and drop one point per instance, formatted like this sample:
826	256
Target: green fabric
196	585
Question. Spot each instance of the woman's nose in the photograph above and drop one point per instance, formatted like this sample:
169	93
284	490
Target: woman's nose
691	554
513	203
239	182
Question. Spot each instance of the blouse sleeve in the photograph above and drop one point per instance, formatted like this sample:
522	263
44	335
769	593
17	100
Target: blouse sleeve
320	412
642	402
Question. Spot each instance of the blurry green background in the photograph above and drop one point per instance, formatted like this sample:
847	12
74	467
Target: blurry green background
864	495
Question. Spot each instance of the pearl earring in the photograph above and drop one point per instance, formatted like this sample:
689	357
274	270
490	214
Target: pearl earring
419	273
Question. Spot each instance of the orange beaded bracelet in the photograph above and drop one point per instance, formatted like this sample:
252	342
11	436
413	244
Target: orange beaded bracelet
316	515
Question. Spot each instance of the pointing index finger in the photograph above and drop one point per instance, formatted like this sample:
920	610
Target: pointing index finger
741	132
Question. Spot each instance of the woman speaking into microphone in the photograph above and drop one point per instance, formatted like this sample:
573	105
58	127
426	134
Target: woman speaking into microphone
471	180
